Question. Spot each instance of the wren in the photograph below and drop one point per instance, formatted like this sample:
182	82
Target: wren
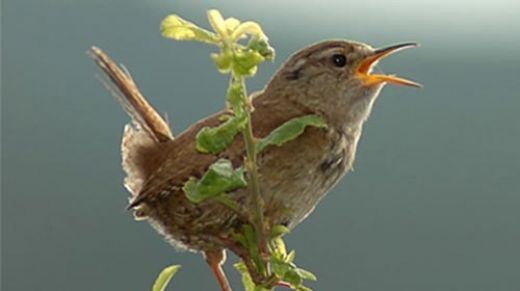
331	79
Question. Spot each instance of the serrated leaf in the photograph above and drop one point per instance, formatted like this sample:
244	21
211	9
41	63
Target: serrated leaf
220	178
216	139
289	131
164	277
177	28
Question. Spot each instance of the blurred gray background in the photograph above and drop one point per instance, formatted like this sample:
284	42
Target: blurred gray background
433	203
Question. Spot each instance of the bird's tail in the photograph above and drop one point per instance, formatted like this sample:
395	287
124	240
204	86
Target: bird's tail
145	138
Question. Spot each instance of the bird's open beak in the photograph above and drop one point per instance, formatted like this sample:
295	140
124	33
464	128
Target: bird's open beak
364	68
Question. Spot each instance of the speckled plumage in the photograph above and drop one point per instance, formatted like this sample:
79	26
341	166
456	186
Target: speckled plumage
293	177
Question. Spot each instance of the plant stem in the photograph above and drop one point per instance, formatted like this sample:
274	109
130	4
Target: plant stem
252	170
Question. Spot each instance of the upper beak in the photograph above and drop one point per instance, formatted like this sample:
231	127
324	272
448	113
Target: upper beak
366	65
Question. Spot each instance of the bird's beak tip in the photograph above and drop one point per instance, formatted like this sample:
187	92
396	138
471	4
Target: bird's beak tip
366	65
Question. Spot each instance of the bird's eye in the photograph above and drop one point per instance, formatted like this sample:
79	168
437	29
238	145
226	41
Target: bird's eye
339	60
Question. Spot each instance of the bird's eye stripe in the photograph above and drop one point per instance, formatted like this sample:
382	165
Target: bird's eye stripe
322	53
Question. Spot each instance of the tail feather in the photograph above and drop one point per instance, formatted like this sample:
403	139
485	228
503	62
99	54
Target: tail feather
131	99
145	138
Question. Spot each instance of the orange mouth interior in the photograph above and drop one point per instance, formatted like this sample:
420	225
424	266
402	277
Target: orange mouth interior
364	68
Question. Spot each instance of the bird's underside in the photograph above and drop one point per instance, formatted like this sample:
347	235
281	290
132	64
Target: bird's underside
158	165
315	164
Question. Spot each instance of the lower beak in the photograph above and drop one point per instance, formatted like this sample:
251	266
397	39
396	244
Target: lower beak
365	67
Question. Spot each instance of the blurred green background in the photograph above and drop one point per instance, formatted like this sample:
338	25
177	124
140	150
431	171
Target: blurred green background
433	203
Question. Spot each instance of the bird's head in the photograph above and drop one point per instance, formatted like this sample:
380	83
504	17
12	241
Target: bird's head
336	77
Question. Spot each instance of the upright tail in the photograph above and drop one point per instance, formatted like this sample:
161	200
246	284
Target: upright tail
144	140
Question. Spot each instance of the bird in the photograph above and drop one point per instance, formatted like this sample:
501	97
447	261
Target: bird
333	79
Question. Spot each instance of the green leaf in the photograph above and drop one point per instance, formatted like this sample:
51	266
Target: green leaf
285	270
279	267
306	275
278	248
235	97
220	178
218	23
216	139
179	29
248	283
293	278
245	62
231	24
289	131
251	240
164	277
240	238
248	238
248	27
223	62
290	257
278	231
261	45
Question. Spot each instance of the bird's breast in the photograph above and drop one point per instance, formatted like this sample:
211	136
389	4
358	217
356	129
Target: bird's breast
297	175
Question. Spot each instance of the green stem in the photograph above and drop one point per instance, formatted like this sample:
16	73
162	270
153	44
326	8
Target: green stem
252	170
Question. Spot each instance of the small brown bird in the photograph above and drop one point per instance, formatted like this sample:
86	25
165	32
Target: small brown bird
331	79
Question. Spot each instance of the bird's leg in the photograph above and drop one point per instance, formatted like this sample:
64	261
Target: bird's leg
215	260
